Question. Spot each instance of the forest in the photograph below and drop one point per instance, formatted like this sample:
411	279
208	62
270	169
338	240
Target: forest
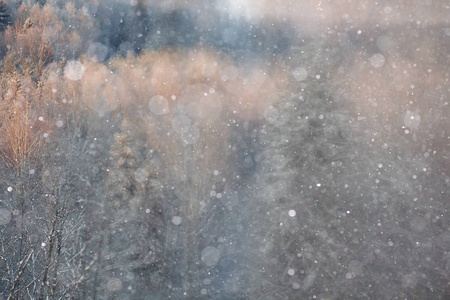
224	149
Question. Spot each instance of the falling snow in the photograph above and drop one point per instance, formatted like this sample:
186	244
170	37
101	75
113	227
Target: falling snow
235	149
74	70
210	256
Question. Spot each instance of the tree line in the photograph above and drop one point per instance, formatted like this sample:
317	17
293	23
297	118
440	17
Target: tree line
144	156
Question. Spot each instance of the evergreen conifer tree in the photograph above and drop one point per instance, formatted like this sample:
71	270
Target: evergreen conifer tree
5	16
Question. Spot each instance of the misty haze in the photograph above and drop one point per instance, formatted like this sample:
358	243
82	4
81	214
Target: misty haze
224	149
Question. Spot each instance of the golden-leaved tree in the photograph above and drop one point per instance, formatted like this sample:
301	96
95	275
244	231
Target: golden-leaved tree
39	135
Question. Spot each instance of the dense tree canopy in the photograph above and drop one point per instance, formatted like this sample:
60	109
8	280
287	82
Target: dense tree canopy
5	16
162	150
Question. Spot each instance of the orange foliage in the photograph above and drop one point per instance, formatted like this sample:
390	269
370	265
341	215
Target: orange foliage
178	76
36	38
21	127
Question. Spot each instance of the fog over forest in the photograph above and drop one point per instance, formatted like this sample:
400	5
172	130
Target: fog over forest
224	149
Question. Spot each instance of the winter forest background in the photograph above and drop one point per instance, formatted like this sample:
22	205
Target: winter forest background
224	149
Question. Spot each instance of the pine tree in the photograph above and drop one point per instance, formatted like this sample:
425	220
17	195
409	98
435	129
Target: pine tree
334	209
140	26
5	16
133	239
121	191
